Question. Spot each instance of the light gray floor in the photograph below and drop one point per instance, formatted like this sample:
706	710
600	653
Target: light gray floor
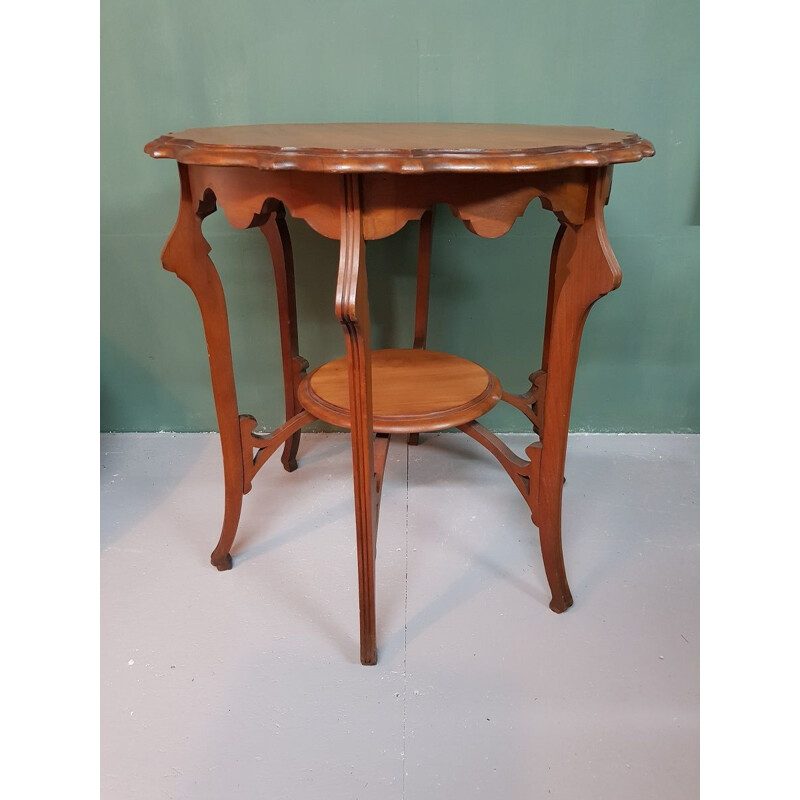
246	684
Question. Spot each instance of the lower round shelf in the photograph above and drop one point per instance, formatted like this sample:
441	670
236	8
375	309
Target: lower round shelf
412	391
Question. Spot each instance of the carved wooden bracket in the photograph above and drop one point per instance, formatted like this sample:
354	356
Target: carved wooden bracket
380	450
265	444
531	403
524	474
186	252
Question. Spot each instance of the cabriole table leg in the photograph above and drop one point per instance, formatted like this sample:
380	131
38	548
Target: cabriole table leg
583	269
186	254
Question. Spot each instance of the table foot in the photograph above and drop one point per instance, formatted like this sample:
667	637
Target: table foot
289	456
413	439
553	558
221	557
222	563
561	604
369	656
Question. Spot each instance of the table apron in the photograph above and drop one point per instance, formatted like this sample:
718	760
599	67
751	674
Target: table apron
488	204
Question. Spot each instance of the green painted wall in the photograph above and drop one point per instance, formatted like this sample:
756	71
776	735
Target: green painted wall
626	64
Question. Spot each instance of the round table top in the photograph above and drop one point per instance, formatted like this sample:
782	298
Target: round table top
402	147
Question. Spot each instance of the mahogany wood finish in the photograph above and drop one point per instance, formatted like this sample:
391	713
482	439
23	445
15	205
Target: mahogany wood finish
423	280
266	444
405	148
423	290
360	182
186	254
294	365
412	390
584	269
488	204
352	310
528	402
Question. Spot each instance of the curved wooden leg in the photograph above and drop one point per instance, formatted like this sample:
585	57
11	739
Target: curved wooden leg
583	269
352	310
276	233
423	290
186	254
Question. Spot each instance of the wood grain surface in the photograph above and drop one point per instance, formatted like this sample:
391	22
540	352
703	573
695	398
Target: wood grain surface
402	147
412	391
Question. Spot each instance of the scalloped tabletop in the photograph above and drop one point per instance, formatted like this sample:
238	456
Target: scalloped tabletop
402	147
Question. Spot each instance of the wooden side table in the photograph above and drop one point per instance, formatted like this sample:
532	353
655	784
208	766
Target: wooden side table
358	182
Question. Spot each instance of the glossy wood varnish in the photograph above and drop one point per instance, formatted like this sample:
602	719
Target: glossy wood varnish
402	147
355	182
412	391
